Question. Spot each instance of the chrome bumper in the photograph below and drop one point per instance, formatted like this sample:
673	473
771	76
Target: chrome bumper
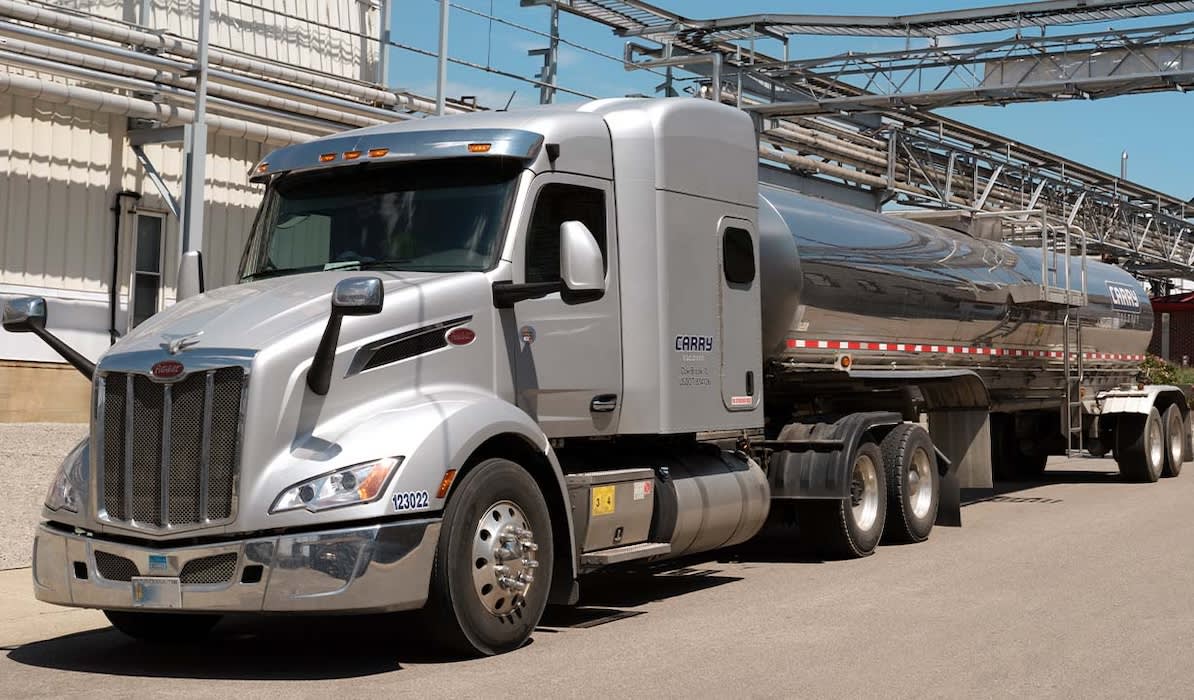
378	568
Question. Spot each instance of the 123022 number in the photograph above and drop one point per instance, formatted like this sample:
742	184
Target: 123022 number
411	500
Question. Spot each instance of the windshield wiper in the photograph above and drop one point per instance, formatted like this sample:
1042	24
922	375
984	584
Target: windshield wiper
277	272
383	264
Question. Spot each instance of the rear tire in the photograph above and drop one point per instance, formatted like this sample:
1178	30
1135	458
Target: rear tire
163	627
493	562
1140	446
1175	441
910	464
850	528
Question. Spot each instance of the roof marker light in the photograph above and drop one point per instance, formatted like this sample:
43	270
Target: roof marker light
378	152
327	157
352	155
479	147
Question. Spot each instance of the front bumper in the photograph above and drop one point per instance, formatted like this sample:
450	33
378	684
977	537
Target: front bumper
378	568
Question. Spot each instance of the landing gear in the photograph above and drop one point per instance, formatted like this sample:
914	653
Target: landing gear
493	563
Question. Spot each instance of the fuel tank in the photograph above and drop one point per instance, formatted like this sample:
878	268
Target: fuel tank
896	293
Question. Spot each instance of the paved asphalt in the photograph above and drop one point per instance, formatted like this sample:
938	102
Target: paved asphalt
1077	586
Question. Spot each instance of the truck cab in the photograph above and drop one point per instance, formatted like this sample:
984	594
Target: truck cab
441	382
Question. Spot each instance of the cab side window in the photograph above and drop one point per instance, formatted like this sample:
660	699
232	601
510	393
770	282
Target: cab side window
556	204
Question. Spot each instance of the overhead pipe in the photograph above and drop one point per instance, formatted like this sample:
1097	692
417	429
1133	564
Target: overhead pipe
155	68
110	103
164	42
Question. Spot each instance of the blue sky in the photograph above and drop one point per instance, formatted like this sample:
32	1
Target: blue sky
1155	129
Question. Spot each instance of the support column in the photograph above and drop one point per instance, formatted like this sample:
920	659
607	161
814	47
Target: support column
195	148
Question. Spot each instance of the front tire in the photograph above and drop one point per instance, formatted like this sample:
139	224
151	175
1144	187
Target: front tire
1175	441
850	528
912	483
493	562
1140	446
163	627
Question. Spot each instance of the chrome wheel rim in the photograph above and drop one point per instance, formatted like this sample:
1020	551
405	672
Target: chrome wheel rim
1175	442
920	483
1156	443
864	492
504	558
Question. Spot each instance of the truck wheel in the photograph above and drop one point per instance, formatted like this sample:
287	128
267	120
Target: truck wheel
1175	441
163	627
493	562
911	466
1140	446
850	528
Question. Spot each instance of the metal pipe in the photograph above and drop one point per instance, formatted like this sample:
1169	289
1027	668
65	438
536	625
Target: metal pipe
125	62
169	43
195	148
109	103
441	69
114	283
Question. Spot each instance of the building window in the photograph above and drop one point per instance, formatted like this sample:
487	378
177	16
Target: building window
556	204
147	268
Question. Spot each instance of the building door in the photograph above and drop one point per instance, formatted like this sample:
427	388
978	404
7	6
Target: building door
569	355
741	347
146	283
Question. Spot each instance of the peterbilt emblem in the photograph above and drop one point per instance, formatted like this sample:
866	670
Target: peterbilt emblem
177	343
166	369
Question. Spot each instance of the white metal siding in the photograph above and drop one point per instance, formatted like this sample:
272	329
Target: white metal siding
331	37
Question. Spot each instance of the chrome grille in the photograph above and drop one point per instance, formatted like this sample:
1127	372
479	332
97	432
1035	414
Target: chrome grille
169	450
115	568
218	568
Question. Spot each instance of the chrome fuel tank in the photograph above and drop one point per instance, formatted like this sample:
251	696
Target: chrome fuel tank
899	293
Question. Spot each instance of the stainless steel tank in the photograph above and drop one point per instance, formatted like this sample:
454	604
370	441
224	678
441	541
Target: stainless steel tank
895	293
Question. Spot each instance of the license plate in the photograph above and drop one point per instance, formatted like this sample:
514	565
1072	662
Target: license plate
156	592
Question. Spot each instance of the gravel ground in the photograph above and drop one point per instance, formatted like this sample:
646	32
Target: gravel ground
29	454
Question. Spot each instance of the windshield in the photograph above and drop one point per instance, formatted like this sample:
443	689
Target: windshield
442	216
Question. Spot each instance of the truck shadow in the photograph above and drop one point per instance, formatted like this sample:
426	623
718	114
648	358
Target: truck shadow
328	648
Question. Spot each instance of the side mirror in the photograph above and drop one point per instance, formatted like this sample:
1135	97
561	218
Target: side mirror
358	296
581	265
190	275
25	315
28	315
354	296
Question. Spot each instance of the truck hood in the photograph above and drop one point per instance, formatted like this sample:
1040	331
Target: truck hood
253	315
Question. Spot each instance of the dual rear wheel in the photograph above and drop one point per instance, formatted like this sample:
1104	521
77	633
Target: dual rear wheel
894	495
1152	445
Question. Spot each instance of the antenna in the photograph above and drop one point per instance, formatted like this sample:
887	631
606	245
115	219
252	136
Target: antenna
507	107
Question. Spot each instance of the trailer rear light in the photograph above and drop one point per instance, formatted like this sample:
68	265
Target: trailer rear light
479	147
446	483
352	155
327	157
378	152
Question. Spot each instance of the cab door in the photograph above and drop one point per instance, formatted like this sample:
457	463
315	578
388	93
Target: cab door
741	346
568	372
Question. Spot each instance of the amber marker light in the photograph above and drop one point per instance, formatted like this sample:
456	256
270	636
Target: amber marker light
327	157
378	152
368	487
263	168
846	362
479	147
446	483
352	155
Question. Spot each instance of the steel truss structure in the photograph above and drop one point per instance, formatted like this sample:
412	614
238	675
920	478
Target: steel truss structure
861	120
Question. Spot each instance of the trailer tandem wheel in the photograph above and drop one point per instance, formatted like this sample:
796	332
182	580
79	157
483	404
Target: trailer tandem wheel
1140	446
1175	441
912	483
493	562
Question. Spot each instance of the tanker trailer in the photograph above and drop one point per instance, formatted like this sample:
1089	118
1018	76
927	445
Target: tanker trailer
470	358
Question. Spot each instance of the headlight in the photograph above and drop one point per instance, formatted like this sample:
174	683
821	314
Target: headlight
361	483
70	483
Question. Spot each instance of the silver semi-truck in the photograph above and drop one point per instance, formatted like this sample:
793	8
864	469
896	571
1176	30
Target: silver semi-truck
472	358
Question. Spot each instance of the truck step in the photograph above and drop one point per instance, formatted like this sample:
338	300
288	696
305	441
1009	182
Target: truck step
630	552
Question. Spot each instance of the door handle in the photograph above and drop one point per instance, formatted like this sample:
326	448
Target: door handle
603	403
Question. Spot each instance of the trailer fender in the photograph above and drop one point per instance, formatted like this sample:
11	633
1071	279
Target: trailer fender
814	460
1141	400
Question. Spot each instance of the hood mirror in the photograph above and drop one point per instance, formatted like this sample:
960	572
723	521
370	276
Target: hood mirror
28	315
354	296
